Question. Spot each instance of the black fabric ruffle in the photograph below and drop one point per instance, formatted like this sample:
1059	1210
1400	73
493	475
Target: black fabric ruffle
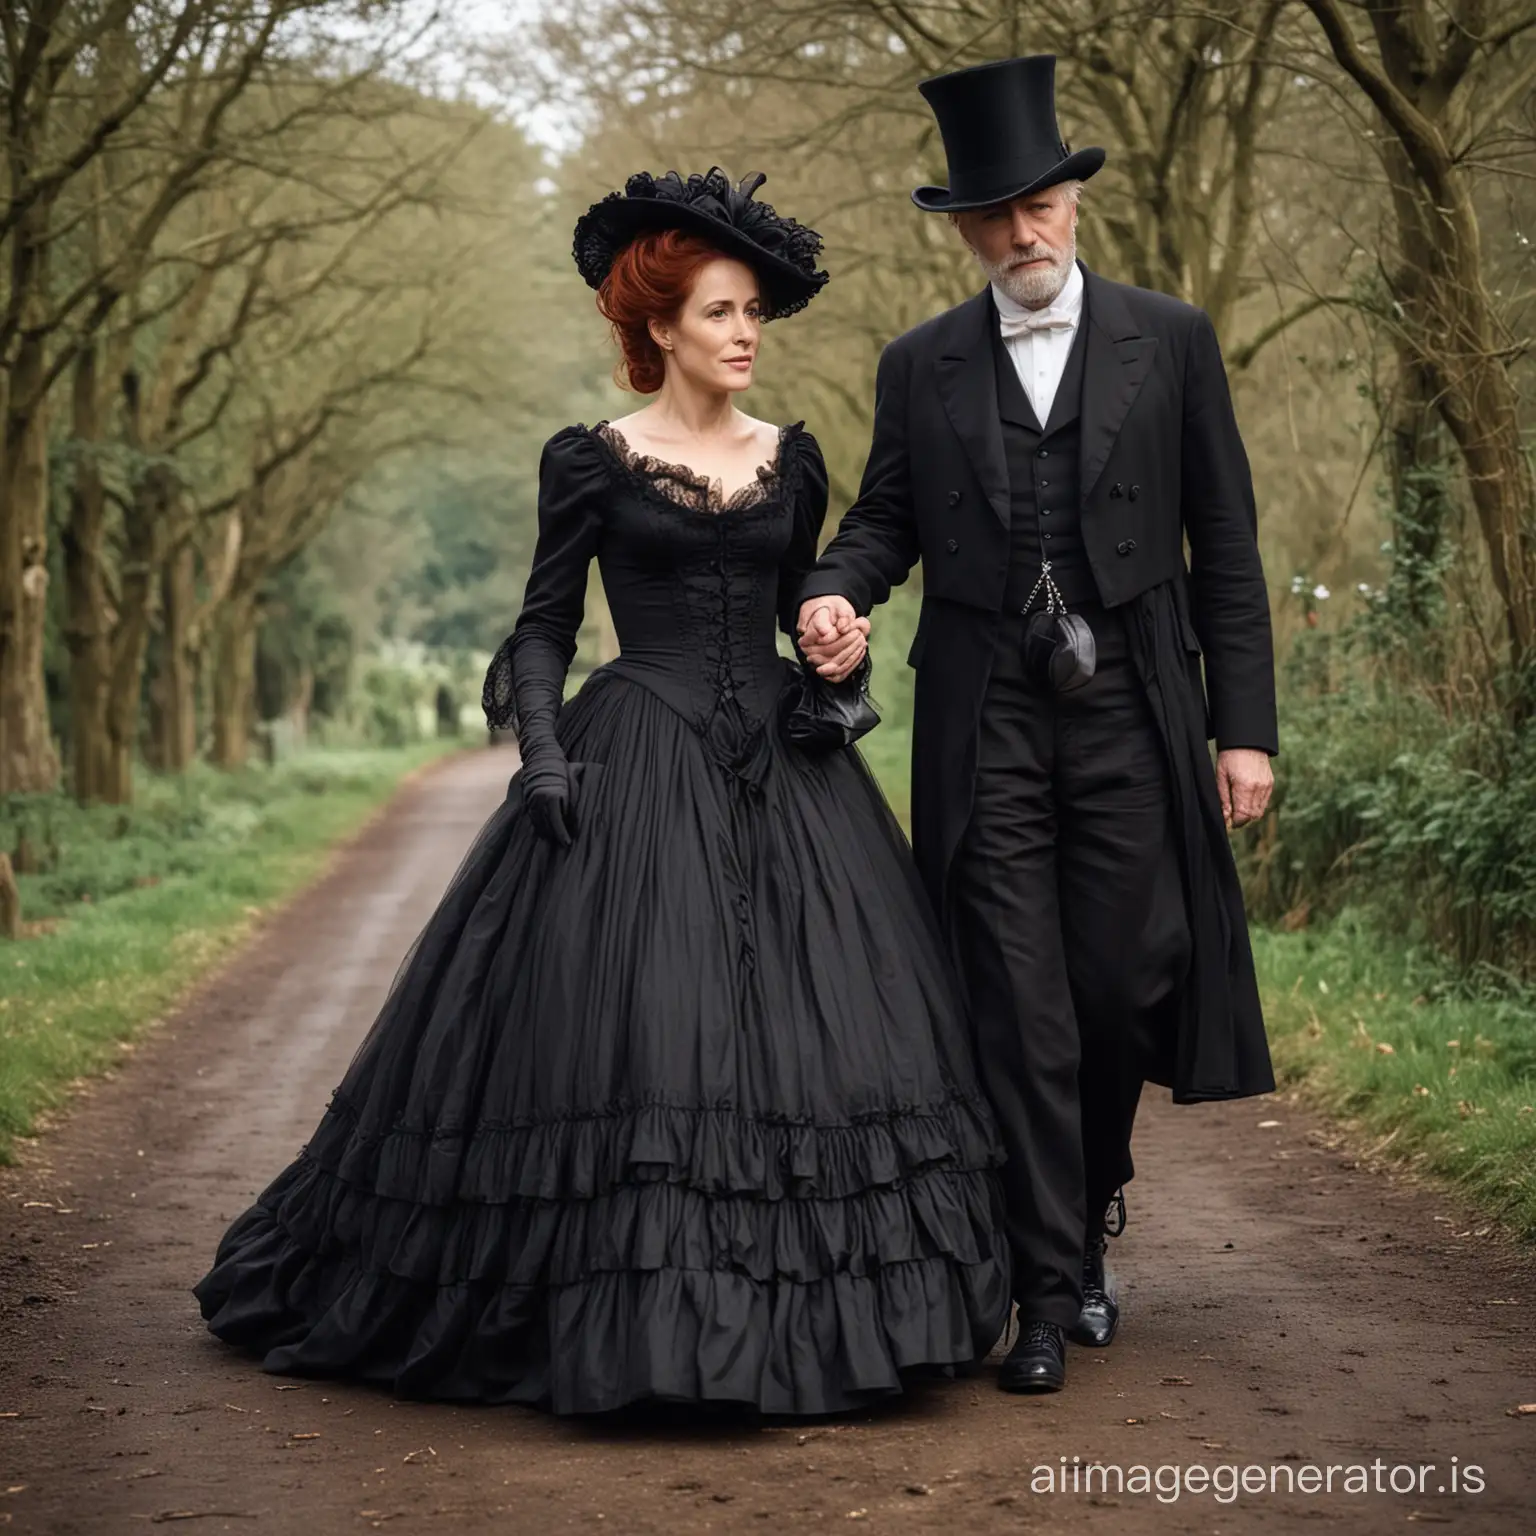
713	1151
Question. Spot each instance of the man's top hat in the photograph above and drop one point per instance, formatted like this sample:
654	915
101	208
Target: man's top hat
998	122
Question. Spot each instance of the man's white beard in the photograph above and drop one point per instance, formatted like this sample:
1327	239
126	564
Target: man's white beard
1033	287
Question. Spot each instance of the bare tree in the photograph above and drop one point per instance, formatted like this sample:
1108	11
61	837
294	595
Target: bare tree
1182	97
85	79
219	278
1445	83
407	345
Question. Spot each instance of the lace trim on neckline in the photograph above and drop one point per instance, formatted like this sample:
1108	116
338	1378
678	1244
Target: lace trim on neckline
698	492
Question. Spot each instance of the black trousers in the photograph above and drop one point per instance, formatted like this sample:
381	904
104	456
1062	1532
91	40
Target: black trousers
1067	920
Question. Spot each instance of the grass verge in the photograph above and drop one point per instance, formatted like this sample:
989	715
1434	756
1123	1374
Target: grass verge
888	748
135	904
1379	1035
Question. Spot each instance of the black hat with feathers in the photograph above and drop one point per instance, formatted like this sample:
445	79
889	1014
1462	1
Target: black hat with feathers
781	252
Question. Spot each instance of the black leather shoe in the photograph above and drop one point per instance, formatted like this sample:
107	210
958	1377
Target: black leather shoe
1096	1323
1037	1362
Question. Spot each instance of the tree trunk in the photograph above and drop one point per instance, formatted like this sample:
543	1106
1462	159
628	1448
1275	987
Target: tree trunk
297	712
1419	86
1450	359
234	681
1418	461
1449	353
1482	409
87	619
176	732
10	901
137	588
28	759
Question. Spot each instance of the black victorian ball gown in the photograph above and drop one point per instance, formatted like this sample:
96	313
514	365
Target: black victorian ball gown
684	1110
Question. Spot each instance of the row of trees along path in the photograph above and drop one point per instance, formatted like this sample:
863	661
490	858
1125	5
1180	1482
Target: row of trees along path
250	251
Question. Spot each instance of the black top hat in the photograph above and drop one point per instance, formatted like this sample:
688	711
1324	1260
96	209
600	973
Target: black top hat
998	122
781	252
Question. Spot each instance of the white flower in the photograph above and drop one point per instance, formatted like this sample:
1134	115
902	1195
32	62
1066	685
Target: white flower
1321	593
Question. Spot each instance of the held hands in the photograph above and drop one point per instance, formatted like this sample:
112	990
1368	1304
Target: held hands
833	637
1245	781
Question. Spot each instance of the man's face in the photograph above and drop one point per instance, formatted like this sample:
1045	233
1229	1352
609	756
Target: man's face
1026	246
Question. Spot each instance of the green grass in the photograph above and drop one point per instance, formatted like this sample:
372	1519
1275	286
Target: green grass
888	748
140	902
1377	1034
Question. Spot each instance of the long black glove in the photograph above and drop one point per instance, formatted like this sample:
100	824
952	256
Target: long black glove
526	681
523	695
549	796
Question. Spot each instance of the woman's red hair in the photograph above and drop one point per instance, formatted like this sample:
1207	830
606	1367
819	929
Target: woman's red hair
650	279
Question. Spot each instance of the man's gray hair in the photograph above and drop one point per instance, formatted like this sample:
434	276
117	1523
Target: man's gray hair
1071	190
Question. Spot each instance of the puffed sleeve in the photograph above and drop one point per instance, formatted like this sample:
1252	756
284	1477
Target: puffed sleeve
810	509
525	685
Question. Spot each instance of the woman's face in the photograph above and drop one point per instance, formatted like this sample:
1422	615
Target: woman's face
712	344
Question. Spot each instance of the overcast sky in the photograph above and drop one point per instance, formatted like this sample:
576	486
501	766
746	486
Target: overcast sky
508	24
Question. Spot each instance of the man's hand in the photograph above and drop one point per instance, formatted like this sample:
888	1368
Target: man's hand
1245	781
832	636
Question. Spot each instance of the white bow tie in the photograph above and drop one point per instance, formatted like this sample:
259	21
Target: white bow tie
1022	323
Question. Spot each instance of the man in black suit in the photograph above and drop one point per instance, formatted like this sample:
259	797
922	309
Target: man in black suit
1045	449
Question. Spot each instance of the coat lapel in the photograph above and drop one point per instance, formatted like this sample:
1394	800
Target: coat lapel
1115	366
968	389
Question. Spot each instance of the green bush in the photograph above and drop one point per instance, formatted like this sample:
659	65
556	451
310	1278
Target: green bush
176	826
1394	797
406	693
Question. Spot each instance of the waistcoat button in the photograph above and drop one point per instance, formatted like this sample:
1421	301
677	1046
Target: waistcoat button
1135	492
954	498
1125	548
953	546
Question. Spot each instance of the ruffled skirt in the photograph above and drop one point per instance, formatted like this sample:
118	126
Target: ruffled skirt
686	1111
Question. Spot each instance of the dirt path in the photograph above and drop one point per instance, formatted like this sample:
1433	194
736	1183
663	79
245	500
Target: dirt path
1283	1307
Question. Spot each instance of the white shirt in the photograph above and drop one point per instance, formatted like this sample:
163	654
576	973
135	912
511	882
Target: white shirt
1040	357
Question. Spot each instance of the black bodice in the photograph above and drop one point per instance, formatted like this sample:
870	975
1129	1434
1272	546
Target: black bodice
697	584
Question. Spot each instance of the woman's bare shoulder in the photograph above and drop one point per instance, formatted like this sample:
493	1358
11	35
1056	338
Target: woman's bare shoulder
765	434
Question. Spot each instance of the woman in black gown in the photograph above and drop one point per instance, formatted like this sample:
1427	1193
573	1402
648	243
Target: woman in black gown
672	1098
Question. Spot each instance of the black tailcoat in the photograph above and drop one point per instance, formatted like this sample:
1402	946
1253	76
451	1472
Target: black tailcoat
1161	462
